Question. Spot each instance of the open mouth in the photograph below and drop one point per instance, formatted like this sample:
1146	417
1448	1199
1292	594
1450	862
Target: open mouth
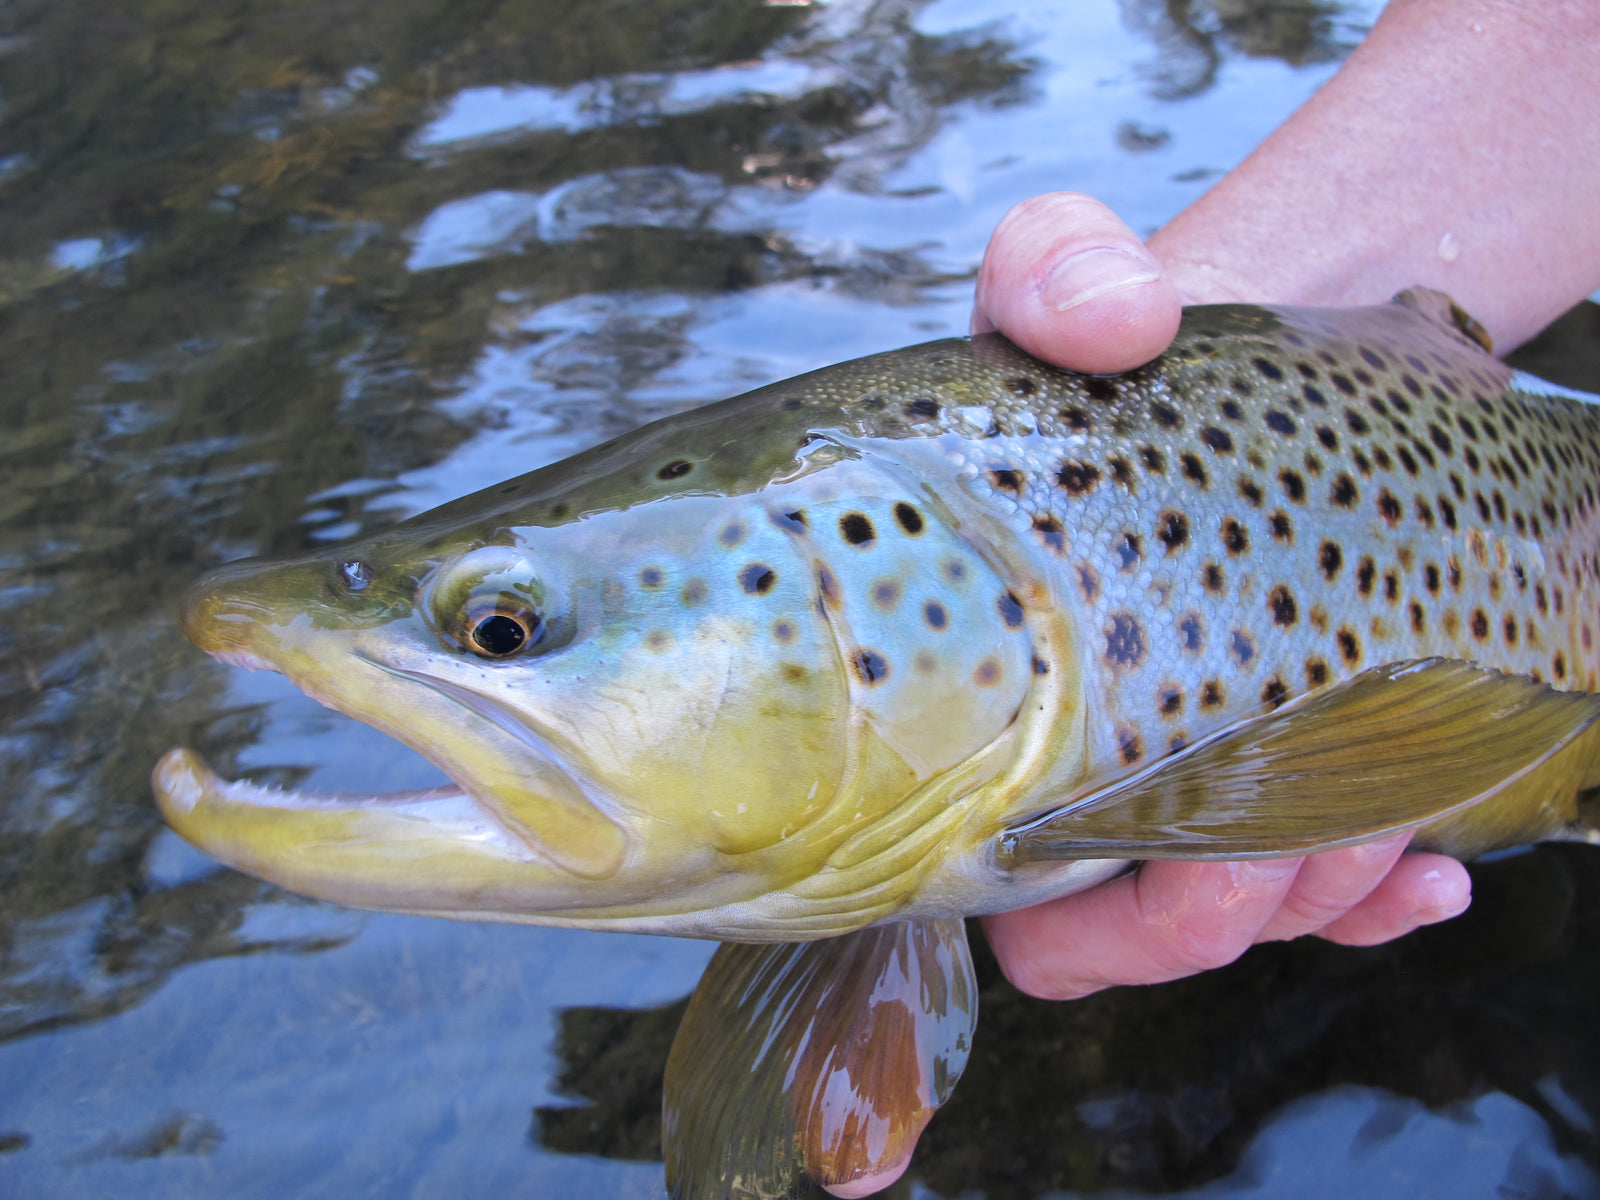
510	801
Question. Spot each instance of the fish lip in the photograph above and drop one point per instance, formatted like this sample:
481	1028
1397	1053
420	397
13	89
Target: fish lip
245	659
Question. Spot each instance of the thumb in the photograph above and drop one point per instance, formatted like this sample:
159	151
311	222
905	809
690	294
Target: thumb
1067	281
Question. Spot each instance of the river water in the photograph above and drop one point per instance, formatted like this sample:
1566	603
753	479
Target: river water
273	275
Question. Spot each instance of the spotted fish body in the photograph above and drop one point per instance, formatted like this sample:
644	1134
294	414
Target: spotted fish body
829	666
1286	500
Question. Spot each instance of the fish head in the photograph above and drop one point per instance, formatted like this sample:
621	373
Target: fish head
650	711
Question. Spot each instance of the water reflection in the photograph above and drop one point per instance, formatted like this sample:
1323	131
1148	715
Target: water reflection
274	276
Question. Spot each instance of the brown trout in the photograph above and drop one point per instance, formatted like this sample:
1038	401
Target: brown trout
940	632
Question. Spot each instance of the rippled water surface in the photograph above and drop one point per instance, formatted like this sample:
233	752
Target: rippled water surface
276	274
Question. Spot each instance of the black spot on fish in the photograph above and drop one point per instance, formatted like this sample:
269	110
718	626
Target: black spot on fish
1121	470
1366	572
1440	439
1131	747
1356	422
793	521
784	630
1280	602
870	666
1280	422
1275	693
1022	385
1152	459
933	612
1040	667
1193	469
795	404
1480	624
923	409
987	674
1211	578
1314	395
886	593
1213	694
1049	531
1388	507
1231	410
1281	528
676	469
1251	491
1343	492
1316	672
1006	479
909	518
1010	610
1193	632
1088	582
1342	382
1173	530
1418	618
1391	586
1128	551
1218	440
1171	698
1330	557
1234	536
1268	368
857	529
1074	418
1125	641
875	403
1293	485
1077	478
1241	648
732	534
1099	389
650	577
1165	415
1511	631
1349	645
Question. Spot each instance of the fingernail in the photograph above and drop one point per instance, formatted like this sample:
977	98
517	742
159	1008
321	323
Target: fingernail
1090	274
1453	905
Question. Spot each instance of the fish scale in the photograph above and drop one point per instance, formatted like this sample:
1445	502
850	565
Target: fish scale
1232	538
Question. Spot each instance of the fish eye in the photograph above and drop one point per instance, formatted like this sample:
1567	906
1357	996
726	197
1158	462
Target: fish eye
508	628
493	603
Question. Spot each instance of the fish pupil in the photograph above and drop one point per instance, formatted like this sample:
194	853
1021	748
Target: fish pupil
499	635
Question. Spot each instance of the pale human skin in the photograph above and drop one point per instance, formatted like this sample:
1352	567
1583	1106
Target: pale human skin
1454	149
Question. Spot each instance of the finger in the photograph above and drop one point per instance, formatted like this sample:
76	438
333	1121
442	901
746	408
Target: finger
1330	884
1067	281
1421	889
1170	920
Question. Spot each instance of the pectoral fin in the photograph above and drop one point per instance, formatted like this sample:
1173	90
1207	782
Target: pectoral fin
1401	746
822	1060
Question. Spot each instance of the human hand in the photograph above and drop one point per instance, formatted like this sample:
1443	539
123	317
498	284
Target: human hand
1066	280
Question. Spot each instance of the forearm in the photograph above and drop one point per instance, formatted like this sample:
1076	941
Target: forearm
1459	147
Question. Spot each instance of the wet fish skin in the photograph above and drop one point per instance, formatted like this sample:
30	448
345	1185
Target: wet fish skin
934	633
797	662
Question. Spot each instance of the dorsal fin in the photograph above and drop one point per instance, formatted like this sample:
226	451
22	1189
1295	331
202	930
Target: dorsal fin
1439	308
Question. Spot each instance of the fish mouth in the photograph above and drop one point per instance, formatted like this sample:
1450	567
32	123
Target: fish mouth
515	832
